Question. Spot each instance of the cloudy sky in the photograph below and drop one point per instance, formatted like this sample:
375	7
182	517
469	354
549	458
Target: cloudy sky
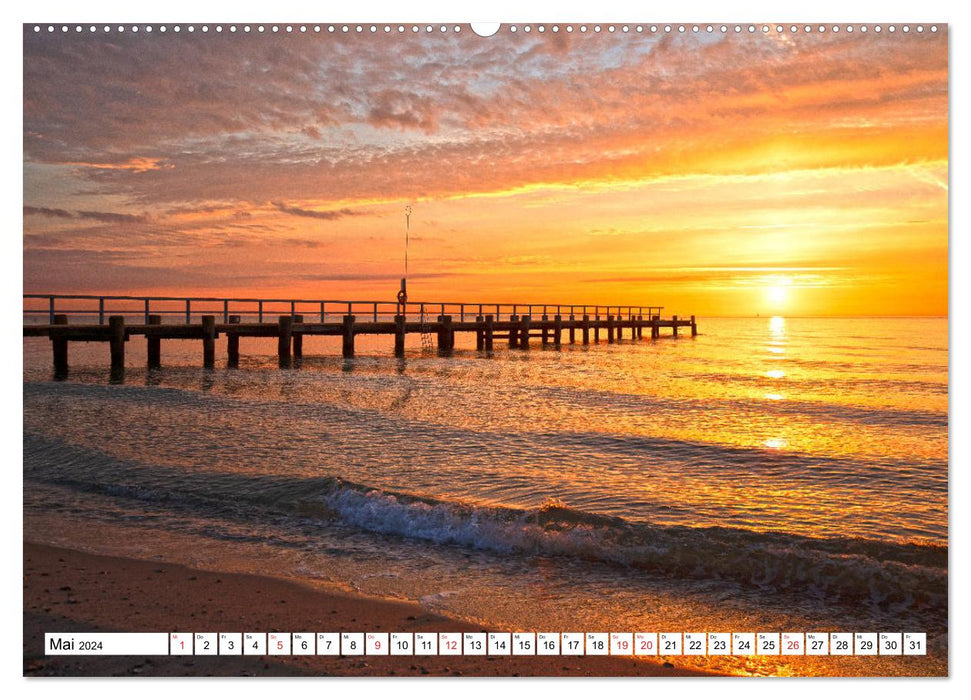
712	174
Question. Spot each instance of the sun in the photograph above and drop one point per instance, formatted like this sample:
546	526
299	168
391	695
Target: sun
777	295
777	292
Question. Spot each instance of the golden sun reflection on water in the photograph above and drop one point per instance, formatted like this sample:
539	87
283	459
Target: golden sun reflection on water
776	344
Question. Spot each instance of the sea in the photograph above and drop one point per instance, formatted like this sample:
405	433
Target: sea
771	474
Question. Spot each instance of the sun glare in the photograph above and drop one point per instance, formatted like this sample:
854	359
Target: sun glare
777	292
777	295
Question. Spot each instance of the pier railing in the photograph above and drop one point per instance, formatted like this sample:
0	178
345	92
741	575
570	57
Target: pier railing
42	308
296	318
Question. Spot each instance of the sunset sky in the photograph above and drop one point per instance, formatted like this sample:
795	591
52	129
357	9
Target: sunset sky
734	174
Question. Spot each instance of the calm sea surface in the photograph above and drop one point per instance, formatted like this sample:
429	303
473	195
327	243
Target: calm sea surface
770	474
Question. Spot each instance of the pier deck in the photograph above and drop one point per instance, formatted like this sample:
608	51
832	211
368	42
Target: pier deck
515	324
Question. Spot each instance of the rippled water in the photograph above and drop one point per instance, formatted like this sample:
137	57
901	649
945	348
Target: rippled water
775	472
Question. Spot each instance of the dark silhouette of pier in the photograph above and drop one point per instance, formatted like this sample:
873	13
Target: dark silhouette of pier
206	319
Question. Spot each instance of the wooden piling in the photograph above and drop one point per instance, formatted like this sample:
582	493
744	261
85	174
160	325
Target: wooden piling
573	330
399	335
116	337
479	334
655	329
640	327
297	338
154	343
284	338
489	326
446	336
545	328
694	327
440	332
232	345
514	331
524	332
208	342
557	330
348	334
586	329
675	325
610	329
60	347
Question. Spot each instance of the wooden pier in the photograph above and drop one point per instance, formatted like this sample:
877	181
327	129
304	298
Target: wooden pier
207	319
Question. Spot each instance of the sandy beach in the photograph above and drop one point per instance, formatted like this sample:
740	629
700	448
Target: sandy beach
67	590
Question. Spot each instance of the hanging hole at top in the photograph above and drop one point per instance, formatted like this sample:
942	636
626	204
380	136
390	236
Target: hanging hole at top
485	29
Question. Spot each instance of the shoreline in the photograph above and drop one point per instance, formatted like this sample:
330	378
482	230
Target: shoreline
69	590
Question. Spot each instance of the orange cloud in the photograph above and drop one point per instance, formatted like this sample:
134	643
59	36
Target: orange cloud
132	165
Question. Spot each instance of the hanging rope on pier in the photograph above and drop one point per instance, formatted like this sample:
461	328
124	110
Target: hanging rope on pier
427	342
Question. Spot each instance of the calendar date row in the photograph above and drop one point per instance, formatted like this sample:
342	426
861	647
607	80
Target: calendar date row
489	643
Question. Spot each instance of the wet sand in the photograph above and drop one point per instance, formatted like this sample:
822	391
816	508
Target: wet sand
71	591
